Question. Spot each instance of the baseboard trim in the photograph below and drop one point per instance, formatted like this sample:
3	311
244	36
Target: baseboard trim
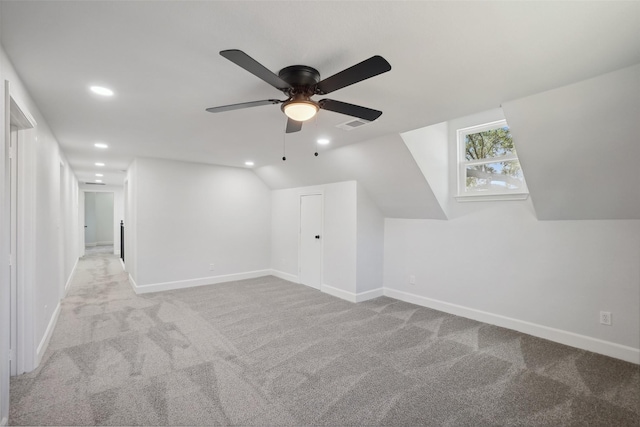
132	282
365	296
351	296
285	276
44	343
190	283
584	342
70	279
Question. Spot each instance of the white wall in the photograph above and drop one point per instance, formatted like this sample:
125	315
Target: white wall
370	251
501	260
496	262
190	215
338	240
48	198
130	221
339	248
429	146
353	238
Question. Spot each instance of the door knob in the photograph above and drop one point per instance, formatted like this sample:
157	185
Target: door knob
317	236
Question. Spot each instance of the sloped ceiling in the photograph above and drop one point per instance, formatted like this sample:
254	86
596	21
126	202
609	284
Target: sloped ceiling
579	147
384	166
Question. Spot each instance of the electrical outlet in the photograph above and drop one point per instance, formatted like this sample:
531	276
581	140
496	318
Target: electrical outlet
605	317
412	280
212	267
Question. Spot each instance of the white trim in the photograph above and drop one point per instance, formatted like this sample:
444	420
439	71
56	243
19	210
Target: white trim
70	279
351	296
491	197
285	276
367	295
190	283
132	282
584	342
4	421
342	294
44	343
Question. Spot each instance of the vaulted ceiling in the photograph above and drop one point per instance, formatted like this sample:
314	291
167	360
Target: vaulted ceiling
448	59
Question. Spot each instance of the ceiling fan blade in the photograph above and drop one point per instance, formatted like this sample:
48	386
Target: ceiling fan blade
243	105
366	69
349	109
293	126
243	60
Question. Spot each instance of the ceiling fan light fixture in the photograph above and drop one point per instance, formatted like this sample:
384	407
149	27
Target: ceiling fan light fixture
300	110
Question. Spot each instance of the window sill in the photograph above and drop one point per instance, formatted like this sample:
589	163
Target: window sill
491	197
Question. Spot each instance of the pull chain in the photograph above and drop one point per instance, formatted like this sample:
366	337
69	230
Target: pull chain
284	147
316	133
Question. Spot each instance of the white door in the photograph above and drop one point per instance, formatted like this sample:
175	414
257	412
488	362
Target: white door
311	240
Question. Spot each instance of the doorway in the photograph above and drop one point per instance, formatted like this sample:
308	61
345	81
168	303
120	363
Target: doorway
311	240
20	322
98	222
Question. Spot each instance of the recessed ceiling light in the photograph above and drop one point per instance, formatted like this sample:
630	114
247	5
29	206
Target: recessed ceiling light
103	91
323	141
99	174
98	180
99	164
100	145
249	163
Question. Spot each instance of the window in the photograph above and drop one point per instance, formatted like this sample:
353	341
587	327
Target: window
488	166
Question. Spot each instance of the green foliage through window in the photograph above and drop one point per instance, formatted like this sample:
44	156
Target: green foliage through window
490	143
490	161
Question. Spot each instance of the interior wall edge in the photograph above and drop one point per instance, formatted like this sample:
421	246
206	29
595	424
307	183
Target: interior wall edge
285	276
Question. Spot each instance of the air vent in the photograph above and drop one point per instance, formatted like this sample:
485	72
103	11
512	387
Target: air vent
352	124
95	183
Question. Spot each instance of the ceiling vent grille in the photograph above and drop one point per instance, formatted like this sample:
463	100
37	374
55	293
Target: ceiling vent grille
352	124
95	183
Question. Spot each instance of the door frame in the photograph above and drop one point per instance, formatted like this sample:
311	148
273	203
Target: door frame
22	253
81	210
300	196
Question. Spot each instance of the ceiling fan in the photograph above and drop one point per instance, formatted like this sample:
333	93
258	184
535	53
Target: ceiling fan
300	82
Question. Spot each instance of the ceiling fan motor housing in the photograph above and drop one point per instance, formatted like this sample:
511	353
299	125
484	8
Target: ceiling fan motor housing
303	81
300	76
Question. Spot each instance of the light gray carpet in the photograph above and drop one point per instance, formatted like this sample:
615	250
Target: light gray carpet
268	352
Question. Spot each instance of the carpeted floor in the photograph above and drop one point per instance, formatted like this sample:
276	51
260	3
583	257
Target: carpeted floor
268	352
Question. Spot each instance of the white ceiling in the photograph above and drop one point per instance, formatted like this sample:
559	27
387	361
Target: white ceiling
449	59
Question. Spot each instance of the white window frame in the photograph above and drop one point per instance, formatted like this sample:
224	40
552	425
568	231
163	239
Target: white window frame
463	163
